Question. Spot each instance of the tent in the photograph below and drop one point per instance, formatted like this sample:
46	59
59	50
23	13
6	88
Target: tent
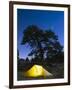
36	71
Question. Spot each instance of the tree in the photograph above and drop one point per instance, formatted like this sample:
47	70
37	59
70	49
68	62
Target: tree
44	43
33	36
18	54
18	63
27	61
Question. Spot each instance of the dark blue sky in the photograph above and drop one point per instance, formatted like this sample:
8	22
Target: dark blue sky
43	19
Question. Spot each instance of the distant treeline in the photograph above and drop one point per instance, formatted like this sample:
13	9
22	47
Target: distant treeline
25	64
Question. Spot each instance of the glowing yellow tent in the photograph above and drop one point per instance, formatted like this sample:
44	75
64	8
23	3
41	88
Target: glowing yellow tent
36	71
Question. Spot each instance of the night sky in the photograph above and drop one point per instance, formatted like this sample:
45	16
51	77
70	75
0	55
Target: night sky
44	19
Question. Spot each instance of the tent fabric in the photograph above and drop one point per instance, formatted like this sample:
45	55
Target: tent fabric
36	71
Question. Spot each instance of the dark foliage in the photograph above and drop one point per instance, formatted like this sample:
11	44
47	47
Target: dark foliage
44	44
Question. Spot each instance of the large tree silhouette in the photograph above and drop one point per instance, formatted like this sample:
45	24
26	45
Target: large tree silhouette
44	43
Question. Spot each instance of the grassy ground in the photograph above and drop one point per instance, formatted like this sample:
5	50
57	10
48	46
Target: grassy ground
57	71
